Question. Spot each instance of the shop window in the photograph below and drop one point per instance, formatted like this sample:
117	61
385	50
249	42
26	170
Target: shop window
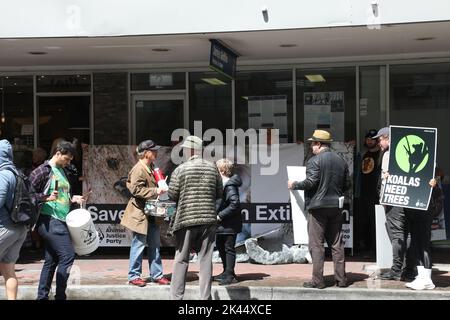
372	102
16	123
63	83
209	101
264	101
326	99
158	81
420	97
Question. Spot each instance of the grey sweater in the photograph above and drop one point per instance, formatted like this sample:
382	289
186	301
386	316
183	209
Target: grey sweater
195	185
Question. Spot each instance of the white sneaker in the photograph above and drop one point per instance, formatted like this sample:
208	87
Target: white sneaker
421	284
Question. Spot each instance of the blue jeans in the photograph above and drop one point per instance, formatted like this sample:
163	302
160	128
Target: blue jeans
154	258
59	253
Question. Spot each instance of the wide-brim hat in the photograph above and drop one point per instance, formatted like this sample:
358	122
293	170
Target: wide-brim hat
321	136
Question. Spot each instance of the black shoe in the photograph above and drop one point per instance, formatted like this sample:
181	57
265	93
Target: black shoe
312	285
219	277
227	280
407	277
341	284
390	275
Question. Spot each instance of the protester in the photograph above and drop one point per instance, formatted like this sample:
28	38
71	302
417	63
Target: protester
12	236
419	224
395	223
195	185
370	172
229	221
54	192
325	183
146	230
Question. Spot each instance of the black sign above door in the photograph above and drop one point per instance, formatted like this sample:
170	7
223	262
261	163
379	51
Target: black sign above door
222	59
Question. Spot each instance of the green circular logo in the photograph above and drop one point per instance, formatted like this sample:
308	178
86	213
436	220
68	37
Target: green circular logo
411	154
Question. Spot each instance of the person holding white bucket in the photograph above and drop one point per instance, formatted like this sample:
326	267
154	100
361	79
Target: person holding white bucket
142	184
53	189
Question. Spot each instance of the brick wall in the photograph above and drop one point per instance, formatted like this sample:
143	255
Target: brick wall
110	108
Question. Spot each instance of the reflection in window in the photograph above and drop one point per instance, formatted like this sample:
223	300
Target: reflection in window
372	103
264	100
64	83
63	117
326	99
209	101
420	97
157	119
158	81
17	110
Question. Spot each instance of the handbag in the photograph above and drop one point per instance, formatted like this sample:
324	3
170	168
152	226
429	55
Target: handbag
436	202
160	208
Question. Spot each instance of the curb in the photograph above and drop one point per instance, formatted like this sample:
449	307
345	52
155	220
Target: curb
126	292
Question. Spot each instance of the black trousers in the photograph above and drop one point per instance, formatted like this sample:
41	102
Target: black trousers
365	228
397	230
419	225
59	257
225	243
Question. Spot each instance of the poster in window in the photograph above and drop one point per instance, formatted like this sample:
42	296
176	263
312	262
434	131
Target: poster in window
324	110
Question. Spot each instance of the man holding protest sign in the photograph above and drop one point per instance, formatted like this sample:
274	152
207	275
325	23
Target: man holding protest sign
407	186
395	221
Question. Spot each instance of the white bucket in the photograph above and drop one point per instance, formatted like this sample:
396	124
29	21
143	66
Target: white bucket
82	231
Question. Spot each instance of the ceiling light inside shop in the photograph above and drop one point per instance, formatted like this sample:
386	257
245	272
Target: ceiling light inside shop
425	38
214	81
160	49
315	77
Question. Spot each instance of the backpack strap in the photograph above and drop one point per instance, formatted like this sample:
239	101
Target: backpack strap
15	176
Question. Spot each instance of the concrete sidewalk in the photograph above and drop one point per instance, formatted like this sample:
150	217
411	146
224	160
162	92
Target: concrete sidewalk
104	276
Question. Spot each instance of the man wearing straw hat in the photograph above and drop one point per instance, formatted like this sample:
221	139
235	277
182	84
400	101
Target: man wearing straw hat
326	180
195	185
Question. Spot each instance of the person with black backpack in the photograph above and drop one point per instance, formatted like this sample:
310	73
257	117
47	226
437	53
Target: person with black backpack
12	234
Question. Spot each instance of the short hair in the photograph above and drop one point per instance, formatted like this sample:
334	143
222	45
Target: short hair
65	147
225	166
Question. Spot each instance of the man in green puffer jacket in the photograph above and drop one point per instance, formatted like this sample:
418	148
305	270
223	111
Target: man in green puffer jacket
195	185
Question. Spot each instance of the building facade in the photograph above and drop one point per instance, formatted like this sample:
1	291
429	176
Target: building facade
115	73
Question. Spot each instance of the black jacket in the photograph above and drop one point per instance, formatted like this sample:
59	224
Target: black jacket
228	208
326	180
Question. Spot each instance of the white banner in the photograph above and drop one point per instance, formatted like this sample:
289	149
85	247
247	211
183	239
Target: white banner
299	216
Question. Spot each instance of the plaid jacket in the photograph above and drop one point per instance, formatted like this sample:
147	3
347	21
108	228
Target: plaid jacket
40	180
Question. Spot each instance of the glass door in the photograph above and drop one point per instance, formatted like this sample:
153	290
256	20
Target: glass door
156	116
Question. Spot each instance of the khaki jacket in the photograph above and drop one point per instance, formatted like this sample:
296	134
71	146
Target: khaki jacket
142	186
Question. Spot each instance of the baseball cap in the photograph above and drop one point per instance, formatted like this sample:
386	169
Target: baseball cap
382	132
371	133
147	145
193	142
